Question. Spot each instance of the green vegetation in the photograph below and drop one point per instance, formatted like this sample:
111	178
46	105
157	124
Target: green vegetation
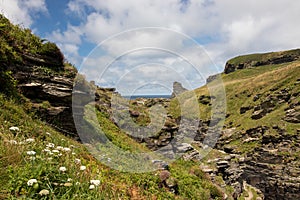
261	57
37	162
53	151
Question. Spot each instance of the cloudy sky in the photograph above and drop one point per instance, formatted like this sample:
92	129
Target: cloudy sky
142	46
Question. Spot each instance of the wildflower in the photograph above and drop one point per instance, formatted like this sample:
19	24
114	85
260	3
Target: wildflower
31	153
69	180
68	184
50	145
77	183
32	158
66	149
92	187
14	128
44	192
29	140
82	168
59	148
77	161
62	169
47	150
30	182
55	151
95	182
13	142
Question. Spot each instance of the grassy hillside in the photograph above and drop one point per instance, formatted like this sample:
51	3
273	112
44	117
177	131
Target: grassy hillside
38	162
53	151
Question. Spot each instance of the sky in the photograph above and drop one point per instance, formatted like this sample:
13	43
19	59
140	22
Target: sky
143	46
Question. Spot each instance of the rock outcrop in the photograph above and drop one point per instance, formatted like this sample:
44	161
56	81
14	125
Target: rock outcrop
177	89
257	60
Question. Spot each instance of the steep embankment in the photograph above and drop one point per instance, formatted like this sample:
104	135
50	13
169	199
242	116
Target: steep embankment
260	140
39	162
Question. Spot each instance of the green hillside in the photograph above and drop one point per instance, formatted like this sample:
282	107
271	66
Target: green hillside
41	156
38	161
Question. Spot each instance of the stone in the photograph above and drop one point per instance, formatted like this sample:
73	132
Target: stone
177	89
164	175
245	109
258	114
292	115
184	147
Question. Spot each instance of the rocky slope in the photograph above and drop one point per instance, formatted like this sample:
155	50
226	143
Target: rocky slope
260	140
258	149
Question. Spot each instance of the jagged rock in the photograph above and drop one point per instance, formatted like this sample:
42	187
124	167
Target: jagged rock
258	114
134	113
257	131
177	89
183	147
203	99
164	175
212	78
273	60
160	164
245	109
292	115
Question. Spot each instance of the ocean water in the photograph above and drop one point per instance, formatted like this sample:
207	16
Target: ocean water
148	96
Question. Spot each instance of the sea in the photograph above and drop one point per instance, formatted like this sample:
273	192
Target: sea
148	96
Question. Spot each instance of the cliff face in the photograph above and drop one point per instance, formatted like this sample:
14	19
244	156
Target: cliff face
256	60
177	89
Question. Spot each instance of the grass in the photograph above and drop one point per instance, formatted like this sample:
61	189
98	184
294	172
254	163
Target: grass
260	56
17	168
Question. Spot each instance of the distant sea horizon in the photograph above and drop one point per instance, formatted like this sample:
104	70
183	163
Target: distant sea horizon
148	96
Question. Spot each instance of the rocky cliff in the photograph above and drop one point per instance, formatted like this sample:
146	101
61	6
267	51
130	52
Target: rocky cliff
258	60
177	89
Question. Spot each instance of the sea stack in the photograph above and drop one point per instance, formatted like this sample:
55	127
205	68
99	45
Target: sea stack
177	89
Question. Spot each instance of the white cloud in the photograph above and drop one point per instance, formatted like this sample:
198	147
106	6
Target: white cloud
22	11
226	28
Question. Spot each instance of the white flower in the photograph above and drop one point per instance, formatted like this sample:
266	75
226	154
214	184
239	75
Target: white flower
44	192
77	161
13	142
62	169
92	187
30	182
66	149
31	153
69	180
47	150
82	168
50	145
29	140
32	158
95	182
55	151
47	133
59	148
14	128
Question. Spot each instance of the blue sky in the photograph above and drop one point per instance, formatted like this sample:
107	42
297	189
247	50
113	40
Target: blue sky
221	28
